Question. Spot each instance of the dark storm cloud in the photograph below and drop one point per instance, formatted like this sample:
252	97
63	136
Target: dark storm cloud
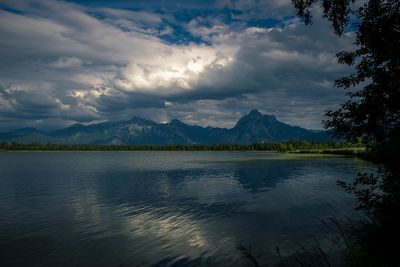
63	62
278	61
23	104
106	104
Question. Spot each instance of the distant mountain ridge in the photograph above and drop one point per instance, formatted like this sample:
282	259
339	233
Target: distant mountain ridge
253	127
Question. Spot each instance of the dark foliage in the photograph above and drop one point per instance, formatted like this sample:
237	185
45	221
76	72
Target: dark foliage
292	145
372	112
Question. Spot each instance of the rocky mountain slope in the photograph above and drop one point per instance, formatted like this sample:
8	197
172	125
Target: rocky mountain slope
253	127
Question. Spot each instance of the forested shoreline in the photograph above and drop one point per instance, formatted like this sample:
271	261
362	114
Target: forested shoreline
290	146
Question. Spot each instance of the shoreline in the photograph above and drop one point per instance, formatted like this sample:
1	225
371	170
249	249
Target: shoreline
350	152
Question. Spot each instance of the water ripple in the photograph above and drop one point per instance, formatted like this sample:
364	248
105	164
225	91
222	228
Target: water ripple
161	209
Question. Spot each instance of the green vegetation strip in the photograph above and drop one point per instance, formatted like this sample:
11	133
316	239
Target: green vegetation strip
290	146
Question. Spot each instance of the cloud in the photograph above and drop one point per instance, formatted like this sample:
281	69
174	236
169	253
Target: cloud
67	62
64	63
250	10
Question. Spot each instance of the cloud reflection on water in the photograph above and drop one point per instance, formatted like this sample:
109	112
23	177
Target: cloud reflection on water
166	208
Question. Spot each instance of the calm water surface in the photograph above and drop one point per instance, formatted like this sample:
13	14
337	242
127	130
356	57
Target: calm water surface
162	208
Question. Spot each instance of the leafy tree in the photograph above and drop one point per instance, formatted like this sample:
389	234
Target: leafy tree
372	112
4	145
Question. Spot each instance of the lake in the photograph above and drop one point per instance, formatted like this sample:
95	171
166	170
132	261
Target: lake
164	208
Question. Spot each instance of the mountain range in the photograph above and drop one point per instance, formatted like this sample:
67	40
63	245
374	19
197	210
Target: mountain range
253	127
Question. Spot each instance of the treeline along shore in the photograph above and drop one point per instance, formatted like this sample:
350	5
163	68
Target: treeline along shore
345	148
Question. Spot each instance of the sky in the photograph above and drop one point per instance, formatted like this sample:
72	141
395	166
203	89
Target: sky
203	62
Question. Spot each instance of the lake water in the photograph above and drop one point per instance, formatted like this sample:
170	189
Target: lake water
163	208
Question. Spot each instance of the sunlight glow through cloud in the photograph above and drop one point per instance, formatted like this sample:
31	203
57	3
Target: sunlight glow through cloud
96	62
